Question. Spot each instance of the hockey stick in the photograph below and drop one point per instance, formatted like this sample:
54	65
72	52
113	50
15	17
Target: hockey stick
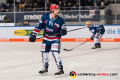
76	46
67	31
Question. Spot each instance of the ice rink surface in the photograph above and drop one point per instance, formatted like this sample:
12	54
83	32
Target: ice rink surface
23	60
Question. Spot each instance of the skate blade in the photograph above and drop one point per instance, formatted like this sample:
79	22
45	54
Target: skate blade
95	49
43	74
60	76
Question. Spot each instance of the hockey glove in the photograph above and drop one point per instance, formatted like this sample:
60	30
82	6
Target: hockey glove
92	37
63	32
32	37
98	35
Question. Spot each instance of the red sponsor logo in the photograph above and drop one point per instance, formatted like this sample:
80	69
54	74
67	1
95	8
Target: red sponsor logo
57	25
54	46
43	47
45	21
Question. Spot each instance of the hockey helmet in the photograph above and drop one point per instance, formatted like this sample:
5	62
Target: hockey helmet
88	22
54	6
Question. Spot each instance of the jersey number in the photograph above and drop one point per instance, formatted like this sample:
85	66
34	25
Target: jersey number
50	23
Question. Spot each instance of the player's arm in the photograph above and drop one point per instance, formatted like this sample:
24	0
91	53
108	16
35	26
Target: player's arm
36	30
93	34
101	29
63	29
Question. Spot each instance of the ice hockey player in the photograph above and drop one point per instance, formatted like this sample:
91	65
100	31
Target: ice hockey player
97	31
54	27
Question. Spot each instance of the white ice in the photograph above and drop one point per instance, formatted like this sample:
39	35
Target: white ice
23	60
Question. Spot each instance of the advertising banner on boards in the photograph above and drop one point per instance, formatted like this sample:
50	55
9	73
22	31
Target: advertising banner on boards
24	32
66	15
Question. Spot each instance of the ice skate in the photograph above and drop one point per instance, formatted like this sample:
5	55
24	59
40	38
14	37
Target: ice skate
60	73
44	71
96	47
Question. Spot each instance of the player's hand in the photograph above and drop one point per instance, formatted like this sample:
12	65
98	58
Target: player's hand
32	37
92	37
63	32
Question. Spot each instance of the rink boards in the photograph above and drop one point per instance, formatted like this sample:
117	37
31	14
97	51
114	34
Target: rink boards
21	34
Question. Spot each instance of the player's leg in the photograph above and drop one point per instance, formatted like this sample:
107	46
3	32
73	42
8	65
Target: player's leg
58	63
97	37
45	63
45	52
97	41
55	49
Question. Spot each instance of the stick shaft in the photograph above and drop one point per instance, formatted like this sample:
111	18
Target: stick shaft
83	43
76	29
80	44
67	31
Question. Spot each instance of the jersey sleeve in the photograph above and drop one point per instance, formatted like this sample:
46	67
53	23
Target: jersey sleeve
92	31
40	25
63	29
63	26
101	29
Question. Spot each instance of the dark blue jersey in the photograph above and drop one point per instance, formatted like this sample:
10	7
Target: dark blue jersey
97	29
52	28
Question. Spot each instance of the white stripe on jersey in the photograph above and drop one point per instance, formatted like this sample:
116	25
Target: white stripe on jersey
49	39
37	29
35	32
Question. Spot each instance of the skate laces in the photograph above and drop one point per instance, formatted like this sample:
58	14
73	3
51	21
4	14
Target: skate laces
43	69
59	70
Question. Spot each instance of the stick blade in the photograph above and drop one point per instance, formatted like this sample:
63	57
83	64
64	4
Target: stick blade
66	49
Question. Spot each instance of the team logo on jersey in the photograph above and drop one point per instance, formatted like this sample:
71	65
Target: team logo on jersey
54	28
57	25
45	21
